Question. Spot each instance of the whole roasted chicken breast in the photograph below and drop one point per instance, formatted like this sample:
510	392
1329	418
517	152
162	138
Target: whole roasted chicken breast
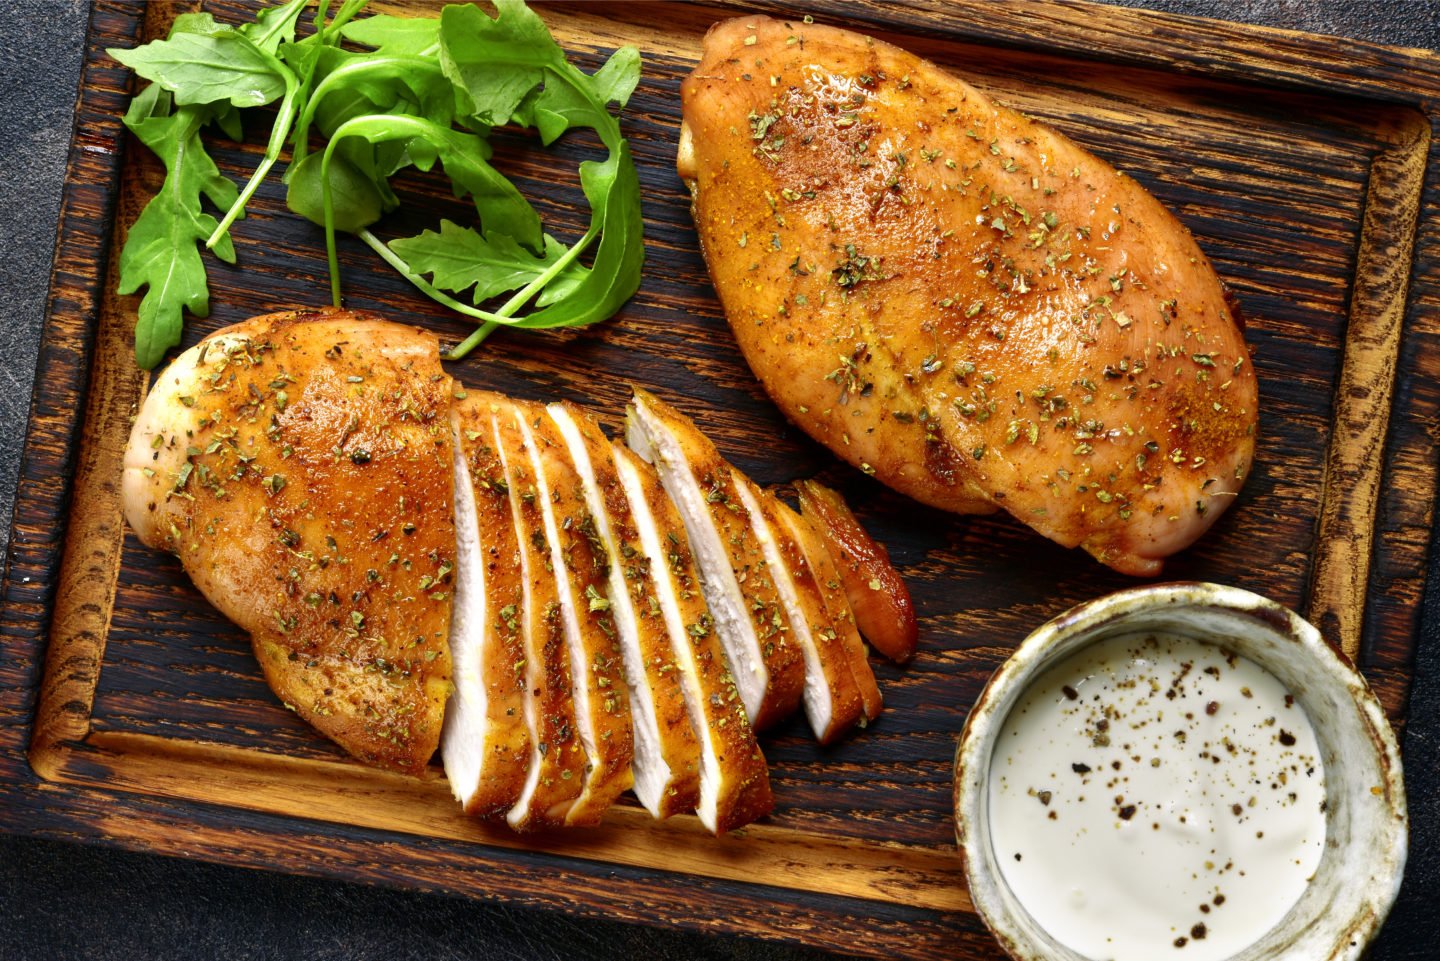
959	300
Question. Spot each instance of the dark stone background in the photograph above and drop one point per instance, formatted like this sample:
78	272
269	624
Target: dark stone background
61	901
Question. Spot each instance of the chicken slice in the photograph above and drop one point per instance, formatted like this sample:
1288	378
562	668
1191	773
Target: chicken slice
837	607
667	755
602	708
734	778
486	742
831	696
959	300
877	595
348	608
557	770
769	668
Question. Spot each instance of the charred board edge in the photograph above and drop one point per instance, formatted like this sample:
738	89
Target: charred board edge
760	908
149	814
42	539
1216	49
91	558
1364	397
346	794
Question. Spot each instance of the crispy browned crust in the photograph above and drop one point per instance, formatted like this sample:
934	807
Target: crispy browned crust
878	597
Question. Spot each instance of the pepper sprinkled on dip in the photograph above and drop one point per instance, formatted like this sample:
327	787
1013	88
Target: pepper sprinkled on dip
1155	796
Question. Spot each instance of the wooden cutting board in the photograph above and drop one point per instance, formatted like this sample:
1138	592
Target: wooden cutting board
131	713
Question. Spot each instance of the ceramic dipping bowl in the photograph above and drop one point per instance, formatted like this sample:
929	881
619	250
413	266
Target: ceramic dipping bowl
1363	858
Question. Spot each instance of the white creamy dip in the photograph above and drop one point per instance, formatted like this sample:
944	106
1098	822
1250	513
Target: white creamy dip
1154	797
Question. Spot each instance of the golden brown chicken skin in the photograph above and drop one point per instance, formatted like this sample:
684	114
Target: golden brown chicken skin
960	301
299	466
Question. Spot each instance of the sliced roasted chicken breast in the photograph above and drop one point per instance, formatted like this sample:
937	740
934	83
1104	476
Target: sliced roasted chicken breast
667	754
831	697
557	770
486	742
754	628
609	621
734	778
602	706
299	465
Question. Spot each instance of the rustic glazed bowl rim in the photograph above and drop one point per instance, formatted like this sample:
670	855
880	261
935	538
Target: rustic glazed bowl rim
1363	860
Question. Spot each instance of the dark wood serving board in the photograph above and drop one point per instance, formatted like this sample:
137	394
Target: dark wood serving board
132	713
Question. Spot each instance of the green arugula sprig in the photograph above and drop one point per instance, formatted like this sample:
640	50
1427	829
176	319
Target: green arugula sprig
200	74
427	92
160	250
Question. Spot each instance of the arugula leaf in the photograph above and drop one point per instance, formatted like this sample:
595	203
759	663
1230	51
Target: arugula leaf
209	70
227	118
303	56
495	63
458	258
431	91
499	203
221	64
349	82
356	201
617	79
160	251
275	25
206	62
613	189
396	36
509	68
271	28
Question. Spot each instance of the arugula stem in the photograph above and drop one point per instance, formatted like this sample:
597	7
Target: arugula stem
426	288
331	257
504	315
283	21
328	205
347	12
278	135
459	351
323	36
517	301
490	321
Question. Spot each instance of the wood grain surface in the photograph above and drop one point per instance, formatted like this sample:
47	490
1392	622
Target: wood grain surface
132	713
